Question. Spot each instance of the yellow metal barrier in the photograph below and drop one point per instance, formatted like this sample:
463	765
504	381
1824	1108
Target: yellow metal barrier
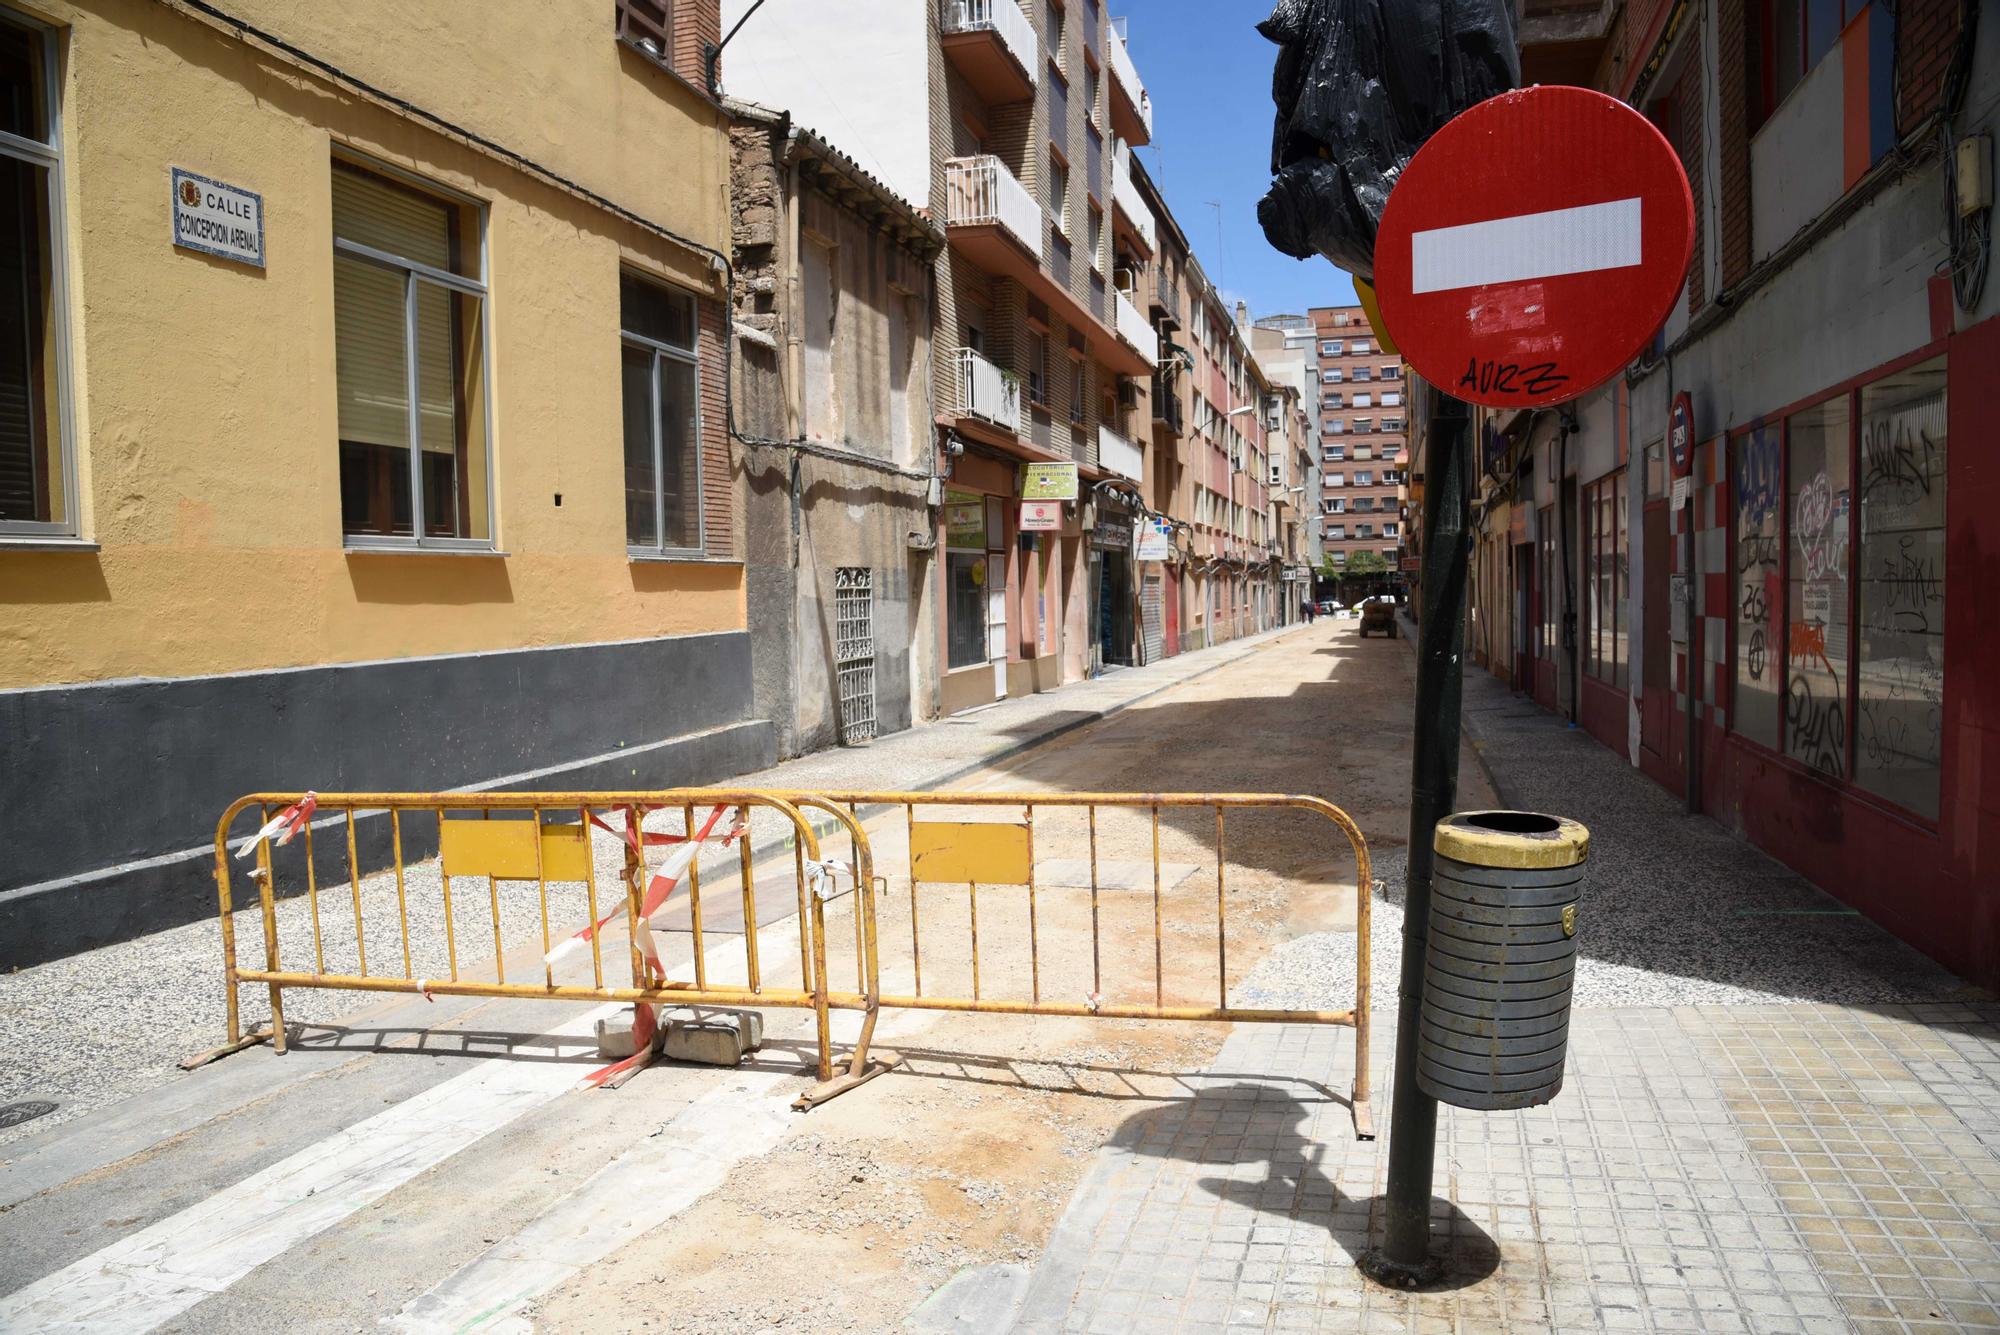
989	855
525	846
997	853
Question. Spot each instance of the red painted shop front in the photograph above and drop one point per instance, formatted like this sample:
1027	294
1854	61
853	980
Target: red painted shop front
1861	743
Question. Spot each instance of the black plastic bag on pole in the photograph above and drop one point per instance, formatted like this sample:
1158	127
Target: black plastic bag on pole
1360	85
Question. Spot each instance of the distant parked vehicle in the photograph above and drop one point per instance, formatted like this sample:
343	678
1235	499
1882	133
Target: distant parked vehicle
1379	614
1330	607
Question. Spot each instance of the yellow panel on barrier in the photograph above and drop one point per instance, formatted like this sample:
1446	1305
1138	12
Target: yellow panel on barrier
505	850
964	852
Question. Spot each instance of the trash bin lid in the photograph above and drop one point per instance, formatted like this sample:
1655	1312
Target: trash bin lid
1525	840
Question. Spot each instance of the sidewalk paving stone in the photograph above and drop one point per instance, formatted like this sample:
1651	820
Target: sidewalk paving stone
1797	1130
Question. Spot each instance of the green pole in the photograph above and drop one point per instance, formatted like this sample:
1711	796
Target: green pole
1404	1259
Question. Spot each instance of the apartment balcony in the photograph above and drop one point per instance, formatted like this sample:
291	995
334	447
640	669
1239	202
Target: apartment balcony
989	213
1131	107
1167	408
1128	210
993	45
995	223
1134	329
1119	455
986	392
1166	301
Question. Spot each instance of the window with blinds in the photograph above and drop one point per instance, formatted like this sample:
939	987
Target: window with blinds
35	469
662	401
409	357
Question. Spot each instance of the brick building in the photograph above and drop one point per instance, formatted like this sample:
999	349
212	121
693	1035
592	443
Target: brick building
1363	423
1042	350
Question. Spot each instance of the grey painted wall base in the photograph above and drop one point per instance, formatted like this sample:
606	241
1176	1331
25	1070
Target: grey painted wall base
111	792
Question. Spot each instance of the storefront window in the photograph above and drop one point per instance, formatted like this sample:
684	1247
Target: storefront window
966	572
1757	478
1818	501
1606	571
1899	726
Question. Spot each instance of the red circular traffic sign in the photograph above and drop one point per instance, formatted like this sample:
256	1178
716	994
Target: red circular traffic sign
1532	246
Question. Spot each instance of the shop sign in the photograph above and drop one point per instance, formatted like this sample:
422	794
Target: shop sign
1155	541
965	519
226	221
1049	482
1041	516
1112	531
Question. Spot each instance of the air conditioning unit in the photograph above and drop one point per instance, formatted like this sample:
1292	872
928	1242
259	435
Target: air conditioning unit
1128	392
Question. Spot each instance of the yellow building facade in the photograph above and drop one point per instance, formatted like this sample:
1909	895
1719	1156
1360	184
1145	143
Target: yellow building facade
433	490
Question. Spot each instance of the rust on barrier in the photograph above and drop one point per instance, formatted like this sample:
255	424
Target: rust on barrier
525	846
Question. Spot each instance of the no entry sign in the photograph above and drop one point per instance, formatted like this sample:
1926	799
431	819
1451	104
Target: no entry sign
1532	246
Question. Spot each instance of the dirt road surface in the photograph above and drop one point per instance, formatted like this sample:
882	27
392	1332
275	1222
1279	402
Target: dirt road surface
968	1150
438	1168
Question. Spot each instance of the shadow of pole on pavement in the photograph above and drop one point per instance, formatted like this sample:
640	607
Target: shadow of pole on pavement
1256	1139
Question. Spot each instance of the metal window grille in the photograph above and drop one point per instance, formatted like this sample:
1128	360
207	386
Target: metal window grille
854	651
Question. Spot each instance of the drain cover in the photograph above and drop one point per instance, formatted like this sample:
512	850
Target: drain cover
13	1114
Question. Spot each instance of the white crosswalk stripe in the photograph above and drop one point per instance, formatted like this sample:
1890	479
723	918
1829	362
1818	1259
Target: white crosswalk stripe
153	1275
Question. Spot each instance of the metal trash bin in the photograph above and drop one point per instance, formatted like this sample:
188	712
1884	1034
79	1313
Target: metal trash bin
1500	958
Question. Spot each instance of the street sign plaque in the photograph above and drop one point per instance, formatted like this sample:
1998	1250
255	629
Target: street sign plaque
1680	435
1532	246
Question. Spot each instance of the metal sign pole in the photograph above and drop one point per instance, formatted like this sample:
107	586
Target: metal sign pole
1405	1259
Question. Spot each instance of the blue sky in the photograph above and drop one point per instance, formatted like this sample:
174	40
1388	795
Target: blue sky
1209	73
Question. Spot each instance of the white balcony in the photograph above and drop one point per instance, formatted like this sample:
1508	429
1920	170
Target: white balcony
981	192
1125	196
1120	455
993	45
1131	117
984	391
1135	329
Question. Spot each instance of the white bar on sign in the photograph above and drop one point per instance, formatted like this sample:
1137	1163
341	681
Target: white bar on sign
1529	245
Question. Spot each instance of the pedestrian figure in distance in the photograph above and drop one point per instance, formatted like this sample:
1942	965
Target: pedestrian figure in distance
1312	611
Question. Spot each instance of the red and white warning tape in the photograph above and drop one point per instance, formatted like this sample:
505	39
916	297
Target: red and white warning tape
285	824
645	1022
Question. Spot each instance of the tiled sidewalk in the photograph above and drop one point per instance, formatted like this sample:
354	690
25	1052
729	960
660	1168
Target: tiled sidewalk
1776	1118
1767	1169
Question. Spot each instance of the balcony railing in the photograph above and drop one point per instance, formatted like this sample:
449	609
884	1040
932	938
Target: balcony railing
1167	405
1166	297
980	191
985	391
1001	17
1120	455
1134	328
1126	74
1125	195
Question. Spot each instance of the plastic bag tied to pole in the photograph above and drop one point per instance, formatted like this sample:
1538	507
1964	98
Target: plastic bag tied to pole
1359	86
